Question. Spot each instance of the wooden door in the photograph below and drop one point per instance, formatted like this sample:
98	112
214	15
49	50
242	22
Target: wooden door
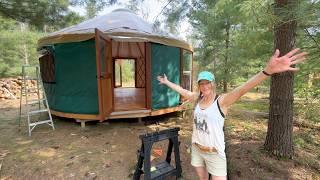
104	74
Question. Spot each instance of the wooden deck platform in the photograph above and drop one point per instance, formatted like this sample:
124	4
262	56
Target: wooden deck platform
128	99
128	103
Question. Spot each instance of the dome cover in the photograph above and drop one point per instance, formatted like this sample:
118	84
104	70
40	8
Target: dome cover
120	25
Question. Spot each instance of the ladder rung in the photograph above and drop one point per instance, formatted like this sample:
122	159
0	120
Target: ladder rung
40	122
32	87
27	88
24	95
31	78
30	66
30	90
36	101
38	111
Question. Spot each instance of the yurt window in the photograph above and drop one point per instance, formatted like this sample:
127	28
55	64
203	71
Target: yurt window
125	72
186	69
47	67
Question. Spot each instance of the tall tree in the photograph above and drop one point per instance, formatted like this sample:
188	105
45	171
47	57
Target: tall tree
34	12
279	139
226	35
309	37
138	7
18	45
93	7
218	22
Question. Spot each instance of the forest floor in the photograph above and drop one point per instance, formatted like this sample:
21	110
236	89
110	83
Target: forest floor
108	150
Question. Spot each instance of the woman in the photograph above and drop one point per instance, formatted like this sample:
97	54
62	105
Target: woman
208	145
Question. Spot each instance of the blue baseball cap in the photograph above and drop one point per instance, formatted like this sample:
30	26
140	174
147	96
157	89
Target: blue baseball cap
205	75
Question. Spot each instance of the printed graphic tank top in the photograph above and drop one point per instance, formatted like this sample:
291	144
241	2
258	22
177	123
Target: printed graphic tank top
208	127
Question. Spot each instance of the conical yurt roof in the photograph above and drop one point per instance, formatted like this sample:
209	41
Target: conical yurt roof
120	25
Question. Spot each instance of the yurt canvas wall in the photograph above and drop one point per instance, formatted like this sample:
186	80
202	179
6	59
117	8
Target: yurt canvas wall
74	86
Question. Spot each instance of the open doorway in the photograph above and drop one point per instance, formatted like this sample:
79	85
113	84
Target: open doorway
127	95
125	73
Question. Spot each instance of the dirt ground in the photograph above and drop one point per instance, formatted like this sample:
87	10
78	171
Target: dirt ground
109	150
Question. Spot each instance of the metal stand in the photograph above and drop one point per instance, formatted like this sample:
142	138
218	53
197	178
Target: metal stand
33	73
163	169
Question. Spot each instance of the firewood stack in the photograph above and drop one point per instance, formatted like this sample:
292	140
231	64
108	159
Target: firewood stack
10	88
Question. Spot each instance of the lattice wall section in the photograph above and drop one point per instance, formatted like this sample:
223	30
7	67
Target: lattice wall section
141	73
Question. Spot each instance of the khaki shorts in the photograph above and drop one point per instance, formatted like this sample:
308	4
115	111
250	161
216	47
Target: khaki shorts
215	163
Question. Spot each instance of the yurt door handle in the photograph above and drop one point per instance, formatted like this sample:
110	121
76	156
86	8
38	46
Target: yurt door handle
104	76
101	77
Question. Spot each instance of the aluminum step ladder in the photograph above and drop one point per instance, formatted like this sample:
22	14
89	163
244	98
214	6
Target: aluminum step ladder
34	106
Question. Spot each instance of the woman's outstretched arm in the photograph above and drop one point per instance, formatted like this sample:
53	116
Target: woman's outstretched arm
276	64
188	94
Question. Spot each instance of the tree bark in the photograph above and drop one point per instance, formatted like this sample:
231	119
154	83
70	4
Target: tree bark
23	28
279	140
226	68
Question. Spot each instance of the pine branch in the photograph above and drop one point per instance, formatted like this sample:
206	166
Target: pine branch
308	34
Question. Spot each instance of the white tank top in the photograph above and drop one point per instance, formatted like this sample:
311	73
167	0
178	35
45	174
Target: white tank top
208	127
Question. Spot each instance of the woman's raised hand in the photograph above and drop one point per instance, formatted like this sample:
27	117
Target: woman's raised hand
162	79
278	64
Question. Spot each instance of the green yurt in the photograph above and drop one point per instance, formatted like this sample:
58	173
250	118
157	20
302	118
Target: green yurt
106	67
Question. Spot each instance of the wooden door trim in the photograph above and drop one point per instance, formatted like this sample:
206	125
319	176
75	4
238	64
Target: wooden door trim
148	74
97	46
103	113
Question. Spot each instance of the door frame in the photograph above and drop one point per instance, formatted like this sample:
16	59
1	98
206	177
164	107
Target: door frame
104	75
114	70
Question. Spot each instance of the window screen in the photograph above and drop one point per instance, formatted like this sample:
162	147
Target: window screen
47	67
187	70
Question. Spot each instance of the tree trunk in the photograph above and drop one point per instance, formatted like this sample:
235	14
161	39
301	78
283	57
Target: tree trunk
25	53
226	71
23	28
310	80
279	140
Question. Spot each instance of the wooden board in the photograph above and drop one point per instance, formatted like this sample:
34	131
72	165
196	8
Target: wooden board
167	110
127	99
75	116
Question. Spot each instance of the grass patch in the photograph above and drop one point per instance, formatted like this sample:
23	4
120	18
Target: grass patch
245	130
256	106
307	146
246	124
308	110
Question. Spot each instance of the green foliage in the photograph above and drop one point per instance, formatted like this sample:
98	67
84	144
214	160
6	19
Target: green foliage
20	22
307	81
308	108
17	46
69	19
8	24
249	39
308	140
187	61
176	12
128	72
46	15
133	5
34	12
262	106
93	6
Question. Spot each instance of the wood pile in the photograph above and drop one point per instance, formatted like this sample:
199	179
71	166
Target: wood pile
10	88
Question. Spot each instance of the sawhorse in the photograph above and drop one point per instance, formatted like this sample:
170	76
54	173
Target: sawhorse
162	169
